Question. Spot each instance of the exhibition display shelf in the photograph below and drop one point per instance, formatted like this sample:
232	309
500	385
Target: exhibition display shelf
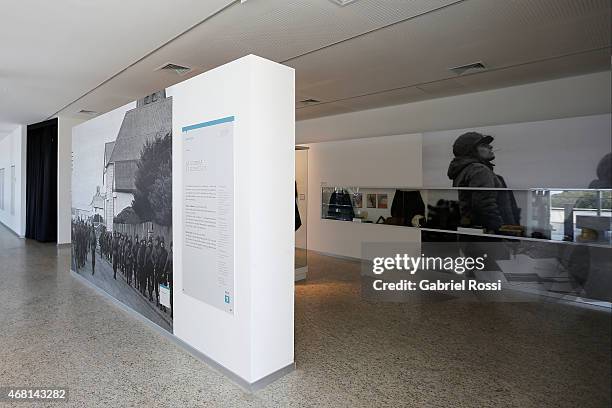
560	215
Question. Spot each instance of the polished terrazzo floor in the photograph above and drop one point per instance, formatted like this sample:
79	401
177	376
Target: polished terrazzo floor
349	353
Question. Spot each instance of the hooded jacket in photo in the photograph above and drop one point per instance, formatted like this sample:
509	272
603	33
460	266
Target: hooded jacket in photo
487	208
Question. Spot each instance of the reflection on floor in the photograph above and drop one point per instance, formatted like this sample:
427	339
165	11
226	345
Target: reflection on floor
349	352
301	259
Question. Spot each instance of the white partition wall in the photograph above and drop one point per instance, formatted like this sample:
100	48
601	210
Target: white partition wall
64	173
234	297
13	160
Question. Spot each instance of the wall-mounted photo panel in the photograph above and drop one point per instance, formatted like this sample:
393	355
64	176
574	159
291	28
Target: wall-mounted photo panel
371	200
382	200
122	205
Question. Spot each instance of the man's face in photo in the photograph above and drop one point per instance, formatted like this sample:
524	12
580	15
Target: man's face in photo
485	152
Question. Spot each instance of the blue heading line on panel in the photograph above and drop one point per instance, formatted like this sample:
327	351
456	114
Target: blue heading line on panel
209	123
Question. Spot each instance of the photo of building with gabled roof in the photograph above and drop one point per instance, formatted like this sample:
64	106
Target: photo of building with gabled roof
151	119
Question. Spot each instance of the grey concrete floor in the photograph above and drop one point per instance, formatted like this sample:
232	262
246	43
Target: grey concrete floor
56	331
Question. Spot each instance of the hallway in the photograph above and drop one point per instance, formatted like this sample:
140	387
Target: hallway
57	332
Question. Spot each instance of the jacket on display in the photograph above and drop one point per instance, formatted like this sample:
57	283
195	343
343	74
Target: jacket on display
341	206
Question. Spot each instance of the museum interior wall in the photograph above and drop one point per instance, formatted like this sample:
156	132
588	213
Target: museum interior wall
64	170
251	332
12	180
389	161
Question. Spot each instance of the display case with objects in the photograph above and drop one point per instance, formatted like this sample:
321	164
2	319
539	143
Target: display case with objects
553	242
569	215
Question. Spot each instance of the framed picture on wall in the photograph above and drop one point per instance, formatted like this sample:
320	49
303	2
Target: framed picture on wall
382	200
358	200
371	200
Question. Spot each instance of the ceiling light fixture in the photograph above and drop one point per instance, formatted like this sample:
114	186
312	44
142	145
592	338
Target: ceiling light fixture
176	68
310	100
343	3
87	112
474	66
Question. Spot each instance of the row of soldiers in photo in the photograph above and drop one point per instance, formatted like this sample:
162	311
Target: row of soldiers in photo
144	264
83	240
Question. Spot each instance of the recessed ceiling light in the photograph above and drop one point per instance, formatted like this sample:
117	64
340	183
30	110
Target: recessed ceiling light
473	66
343	3
310	100
176	68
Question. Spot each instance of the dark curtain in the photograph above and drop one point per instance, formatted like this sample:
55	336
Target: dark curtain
41	181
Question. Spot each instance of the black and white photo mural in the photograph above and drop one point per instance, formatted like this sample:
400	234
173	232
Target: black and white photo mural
538	195
122	205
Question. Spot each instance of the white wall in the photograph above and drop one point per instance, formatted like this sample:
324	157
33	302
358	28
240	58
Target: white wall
257	339
391	161
64	173
559	98
13	153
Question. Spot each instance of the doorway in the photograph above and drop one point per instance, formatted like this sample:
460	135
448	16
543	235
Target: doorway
41	181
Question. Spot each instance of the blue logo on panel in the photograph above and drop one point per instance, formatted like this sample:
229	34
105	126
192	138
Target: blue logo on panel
227	299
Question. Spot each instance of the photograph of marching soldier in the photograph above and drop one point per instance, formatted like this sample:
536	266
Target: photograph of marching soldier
122	205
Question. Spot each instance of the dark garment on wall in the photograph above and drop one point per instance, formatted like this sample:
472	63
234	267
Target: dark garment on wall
41	181
485	208
298	219
340	206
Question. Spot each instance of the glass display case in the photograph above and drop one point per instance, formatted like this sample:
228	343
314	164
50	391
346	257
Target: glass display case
552	242
569	215
301	212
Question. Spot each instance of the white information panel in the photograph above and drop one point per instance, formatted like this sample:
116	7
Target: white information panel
208	212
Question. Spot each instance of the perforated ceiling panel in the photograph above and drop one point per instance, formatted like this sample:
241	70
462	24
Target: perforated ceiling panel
375	53
500	33
274	29
539	71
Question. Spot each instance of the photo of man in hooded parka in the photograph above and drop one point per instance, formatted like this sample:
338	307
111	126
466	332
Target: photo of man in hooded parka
472	167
